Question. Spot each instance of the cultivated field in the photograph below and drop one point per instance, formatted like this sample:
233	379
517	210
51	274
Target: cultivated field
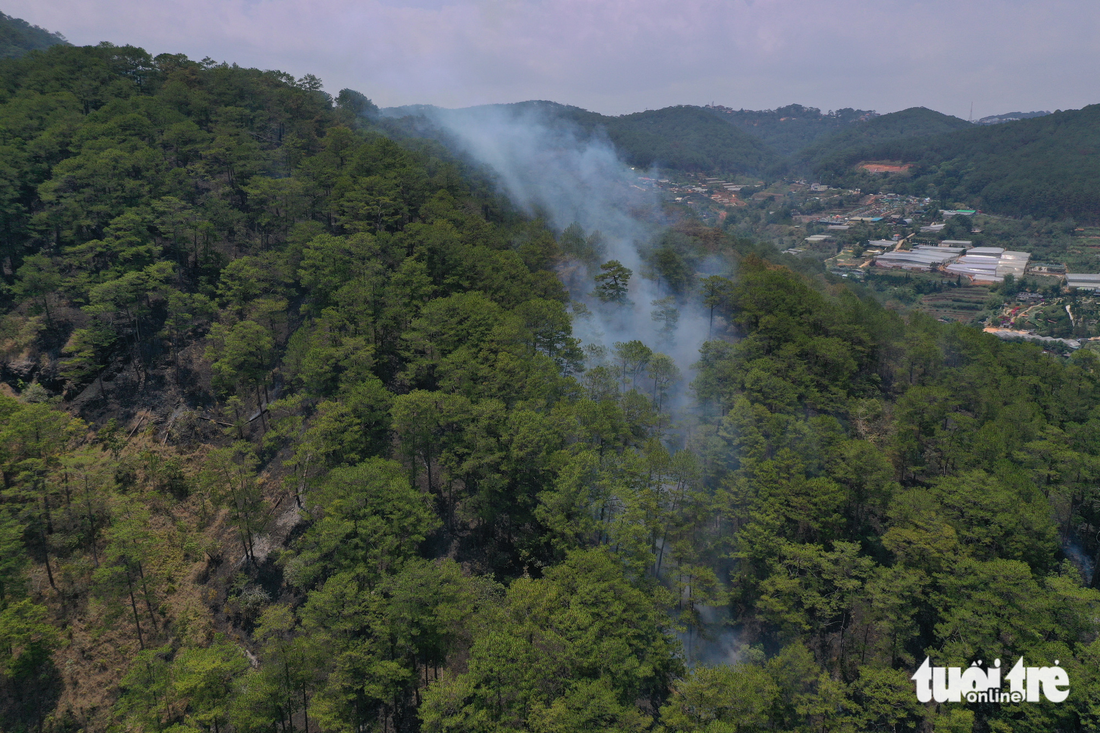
955	304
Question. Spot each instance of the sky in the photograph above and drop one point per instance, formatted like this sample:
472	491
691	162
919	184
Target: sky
621	56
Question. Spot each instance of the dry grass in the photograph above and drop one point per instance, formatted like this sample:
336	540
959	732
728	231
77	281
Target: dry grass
193	556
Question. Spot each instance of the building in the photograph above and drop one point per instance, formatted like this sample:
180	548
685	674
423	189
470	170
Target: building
922	258
990	264
1012	335
1083	281
1013	263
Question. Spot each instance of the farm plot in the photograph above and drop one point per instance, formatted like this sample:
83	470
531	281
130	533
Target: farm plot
955	304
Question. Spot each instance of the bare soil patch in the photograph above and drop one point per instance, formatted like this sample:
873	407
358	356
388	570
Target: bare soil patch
886	167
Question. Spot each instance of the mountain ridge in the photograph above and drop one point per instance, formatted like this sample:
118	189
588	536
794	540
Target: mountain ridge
18	37
1037	166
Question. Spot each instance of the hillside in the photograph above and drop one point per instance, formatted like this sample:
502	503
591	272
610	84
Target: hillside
18	37
688	139
681	138
1040	167
298	433
790	129
908	125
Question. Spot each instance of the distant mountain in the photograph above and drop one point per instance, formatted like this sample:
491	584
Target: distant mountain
845	147
549	112
683	138
18	37
1043	167
690	139
788	130
1009	117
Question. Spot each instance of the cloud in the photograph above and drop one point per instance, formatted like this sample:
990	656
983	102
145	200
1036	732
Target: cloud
626	55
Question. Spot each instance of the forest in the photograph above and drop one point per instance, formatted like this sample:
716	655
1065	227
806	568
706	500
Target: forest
682	138
296	434
1043	167
18	37
792	128
850	144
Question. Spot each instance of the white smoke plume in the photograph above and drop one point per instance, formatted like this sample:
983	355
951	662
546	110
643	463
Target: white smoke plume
715	642
550	167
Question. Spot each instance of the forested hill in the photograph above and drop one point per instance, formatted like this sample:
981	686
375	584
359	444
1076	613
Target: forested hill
295	435
1040	167
705	140
684	138
790	129
688	138
852	142
18	37
1043	167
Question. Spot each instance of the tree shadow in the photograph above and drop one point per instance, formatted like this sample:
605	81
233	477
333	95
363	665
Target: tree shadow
30	690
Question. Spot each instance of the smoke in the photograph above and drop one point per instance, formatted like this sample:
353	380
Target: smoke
713	641
1079	558
551	167
547	166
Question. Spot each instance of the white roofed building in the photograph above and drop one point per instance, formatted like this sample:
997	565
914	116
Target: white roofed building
1083	281
990	264
921	258
1013	263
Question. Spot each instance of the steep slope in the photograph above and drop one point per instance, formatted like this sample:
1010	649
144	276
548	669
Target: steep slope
295	435
18	37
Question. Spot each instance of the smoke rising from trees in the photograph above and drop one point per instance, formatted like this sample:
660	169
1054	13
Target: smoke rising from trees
550	168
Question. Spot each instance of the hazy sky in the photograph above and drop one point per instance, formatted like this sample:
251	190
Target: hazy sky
619	56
